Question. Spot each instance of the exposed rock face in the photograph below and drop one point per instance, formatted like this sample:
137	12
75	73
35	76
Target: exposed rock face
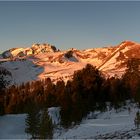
42	48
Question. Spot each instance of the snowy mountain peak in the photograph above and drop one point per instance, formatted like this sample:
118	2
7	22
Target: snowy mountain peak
42	48
127	43
34	50
44	60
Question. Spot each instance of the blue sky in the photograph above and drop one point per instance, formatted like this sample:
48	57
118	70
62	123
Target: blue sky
68	24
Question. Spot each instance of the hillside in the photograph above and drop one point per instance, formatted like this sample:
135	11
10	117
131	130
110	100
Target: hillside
97	125
44	60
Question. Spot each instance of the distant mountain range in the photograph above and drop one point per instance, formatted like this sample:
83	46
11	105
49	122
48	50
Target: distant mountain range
44	60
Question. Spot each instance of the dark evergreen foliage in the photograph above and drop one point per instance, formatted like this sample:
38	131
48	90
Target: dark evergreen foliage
87	91
39	124
3	83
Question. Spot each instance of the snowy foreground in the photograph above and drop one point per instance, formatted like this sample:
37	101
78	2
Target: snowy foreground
12	127
110	124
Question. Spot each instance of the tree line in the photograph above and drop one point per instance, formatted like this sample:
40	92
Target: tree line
89	90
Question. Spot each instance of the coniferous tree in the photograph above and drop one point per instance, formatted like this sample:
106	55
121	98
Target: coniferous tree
49	93
32	122
137	120
3	83
45	126
131	78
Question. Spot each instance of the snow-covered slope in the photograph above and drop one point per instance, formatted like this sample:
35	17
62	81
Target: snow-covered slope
102	125
44	60
97	125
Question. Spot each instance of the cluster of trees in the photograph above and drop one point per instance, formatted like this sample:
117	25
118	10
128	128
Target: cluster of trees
3	83
39	124
87	91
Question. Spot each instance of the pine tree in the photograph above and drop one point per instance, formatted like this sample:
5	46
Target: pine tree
3	84
137	120
32	122
45	126
131	78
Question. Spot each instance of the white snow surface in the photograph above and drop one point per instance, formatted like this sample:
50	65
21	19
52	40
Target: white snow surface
54	113
106	122
95	124
13	127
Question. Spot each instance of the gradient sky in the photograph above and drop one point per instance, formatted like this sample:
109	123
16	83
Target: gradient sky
68	24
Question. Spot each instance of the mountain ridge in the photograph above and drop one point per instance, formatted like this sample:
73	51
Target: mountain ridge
45	60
